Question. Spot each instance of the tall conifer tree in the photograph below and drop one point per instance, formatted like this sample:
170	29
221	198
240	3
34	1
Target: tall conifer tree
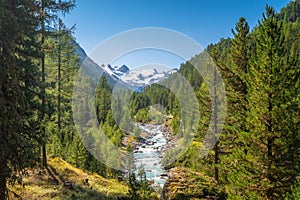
47	12
18	86
272	135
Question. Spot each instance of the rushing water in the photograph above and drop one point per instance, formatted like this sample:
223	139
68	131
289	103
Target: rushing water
150	152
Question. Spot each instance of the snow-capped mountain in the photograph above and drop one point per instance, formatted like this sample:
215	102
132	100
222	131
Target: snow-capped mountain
137	78
116	72
129	78
145	77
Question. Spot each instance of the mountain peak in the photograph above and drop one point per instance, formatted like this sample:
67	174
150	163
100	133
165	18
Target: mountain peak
124	69
144	77
136	77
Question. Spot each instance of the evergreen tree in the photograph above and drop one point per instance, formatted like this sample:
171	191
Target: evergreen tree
61	64
236	83
18	83
257	156
272	135
47	12
103	99
78	153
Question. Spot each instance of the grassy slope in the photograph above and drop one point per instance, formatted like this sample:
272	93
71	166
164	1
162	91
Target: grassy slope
49	184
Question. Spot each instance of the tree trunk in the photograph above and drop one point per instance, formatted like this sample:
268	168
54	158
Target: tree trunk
44	156
216	169
3	189
3	178
44	153
59	83
215	118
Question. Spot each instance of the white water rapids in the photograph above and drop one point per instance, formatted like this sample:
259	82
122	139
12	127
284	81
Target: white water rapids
150	152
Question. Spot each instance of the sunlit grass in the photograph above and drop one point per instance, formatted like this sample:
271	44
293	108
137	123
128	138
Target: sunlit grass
49	184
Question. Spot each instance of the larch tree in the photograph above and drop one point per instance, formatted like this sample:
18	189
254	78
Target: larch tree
47	12
61	64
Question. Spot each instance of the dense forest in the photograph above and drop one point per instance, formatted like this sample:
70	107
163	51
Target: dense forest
257	155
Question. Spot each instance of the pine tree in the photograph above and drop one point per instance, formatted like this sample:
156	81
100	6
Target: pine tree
18	83
61	65
272	135
128	163
235	126
103	99
78	153
47	12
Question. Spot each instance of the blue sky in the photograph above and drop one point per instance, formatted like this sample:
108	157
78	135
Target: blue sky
205	21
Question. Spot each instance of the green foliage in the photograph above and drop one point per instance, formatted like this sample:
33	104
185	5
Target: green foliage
61	66
257	156
19	85
257	153
47	14
185	184
129	165
139	188
77	152
295	192
137	132
269	137
142	115
126	122
103	99
133	185
291	12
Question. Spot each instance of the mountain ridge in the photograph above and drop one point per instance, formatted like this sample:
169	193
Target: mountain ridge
129	78
137	77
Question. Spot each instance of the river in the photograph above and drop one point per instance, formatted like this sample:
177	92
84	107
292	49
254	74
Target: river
149	153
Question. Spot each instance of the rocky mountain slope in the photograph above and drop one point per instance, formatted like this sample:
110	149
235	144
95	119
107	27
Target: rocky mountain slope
136	77
123	74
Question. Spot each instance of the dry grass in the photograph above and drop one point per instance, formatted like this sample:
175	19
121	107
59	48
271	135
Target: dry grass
50	184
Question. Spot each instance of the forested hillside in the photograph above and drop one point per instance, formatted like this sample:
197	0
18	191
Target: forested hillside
257	155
